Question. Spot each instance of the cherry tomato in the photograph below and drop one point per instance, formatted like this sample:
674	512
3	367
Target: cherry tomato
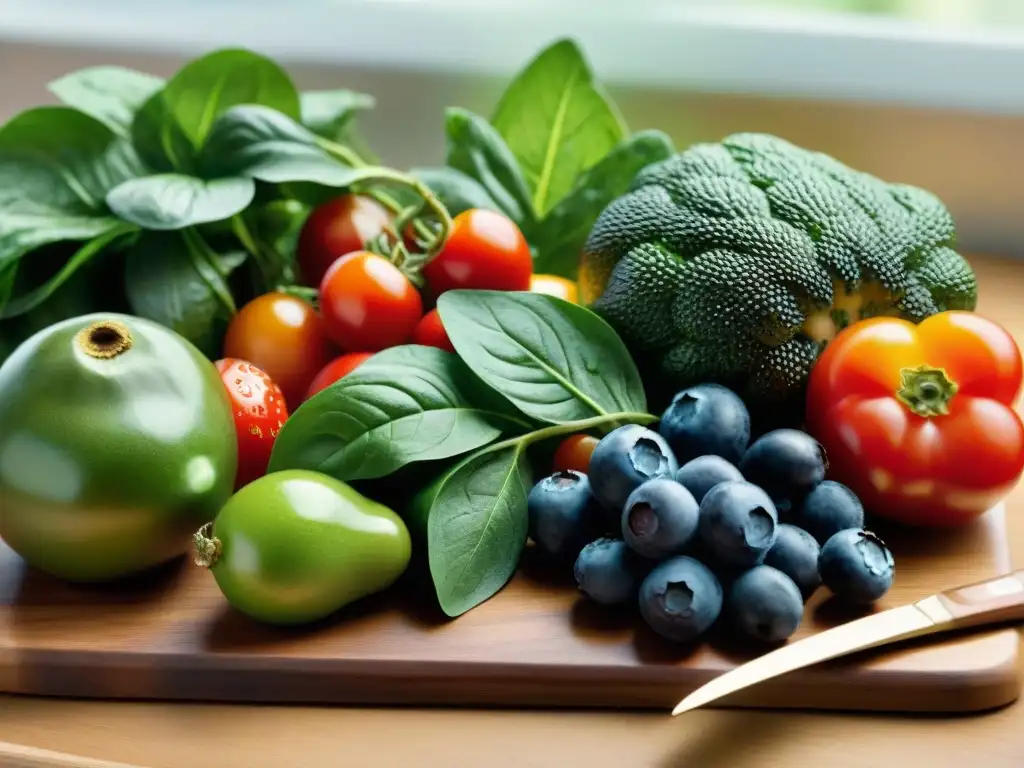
368	304
431	333
485	250
260	412
335	228
334	370
556	286
574	453
919	420
282	335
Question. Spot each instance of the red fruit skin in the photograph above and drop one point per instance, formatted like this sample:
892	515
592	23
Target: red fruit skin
430	332
574	453
336	228
336	369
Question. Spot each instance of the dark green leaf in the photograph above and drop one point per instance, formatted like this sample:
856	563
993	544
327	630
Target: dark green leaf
112	95
403	405
175	201
477	526
455	189
554	360
158	138
557	122
476	149
327	113
560	237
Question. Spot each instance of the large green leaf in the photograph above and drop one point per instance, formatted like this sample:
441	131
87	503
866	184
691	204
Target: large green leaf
110	94
455	189
328	113
175	201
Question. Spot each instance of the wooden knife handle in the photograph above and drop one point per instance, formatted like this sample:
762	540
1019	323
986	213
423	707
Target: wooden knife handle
993	601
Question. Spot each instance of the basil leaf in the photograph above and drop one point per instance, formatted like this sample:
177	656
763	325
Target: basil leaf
159	139
403	405
457	191
327	113
175	201
263	144
476	149
560	237
477	526
554	360
557	122
56	166
112	95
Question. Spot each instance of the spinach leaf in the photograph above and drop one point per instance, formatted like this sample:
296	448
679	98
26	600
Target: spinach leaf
477	526
327	113
554	360
476	149
159	139
56	166
403	405
455	189
112	95
560	237
175	201
557	122
264	144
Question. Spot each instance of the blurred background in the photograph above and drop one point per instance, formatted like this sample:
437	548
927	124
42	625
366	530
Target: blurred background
926	92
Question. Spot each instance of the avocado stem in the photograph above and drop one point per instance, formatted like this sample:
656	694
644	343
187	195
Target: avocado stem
207	547
105	339
926	391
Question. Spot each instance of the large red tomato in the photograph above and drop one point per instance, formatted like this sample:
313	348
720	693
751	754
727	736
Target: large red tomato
282	335
919	420
260	412
336	369
335	228
430	332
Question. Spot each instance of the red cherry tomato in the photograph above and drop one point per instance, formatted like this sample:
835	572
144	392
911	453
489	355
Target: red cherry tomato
919	420
431	333
334	370
260	412
282	335
335	228
368	304
485	250
574	453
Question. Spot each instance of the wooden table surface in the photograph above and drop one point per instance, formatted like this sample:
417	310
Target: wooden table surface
196	736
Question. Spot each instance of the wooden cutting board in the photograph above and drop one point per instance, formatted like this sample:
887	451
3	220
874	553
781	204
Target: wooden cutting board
172	636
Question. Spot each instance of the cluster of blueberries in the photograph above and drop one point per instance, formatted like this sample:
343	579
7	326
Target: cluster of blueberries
685	520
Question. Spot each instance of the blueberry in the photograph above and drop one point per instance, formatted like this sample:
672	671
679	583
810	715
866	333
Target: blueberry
765	604
737	524
829	508
702	474
562	513
609	572
625	458
680	599
659	518
786	463
795	553
706	419
856	565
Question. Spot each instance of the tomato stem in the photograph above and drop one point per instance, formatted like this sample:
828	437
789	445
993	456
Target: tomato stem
207	547
926	391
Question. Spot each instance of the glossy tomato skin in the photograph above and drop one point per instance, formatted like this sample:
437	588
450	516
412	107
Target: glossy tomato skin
283	336
556	286
336	228
336	369
938	469
368	304
430	332
486	251
259	410
574	453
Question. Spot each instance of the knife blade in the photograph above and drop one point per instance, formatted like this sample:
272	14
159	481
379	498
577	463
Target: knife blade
984	603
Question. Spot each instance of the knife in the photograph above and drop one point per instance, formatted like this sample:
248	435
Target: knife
994	601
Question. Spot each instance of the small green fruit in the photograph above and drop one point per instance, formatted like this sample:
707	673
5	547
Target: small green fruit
295	546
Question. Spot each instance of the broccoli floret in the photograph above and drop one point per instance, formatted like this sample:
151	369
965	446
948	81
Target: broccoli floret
738	261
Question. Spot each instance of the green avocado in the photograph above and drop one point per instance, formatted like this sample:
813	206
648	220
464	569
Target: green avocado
295	546
116	441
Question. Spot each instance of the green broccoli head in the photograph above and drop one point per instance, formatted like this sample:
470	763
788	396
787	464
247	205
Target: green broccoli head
738	261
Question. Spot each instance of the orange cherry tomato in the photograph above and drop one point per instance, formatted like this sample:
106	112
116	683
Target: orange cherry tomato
260	412
431	333
336	369
919	420
368	304
485	250
556	286
283	336
574	453
336	228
